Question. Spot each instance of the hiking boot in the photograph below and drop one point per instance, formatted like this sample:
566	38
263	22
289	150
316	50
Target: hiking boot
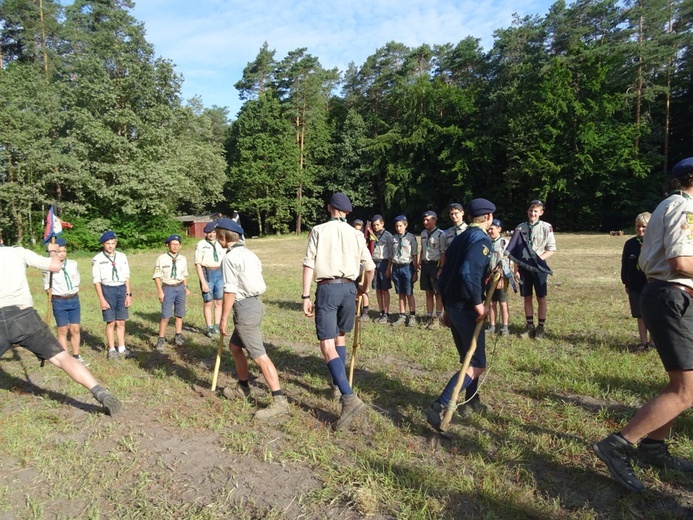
504	331
279	406
351	405
161	345
434	415
217	330
539	333
491	329
401	320
210	332
112	355
126	353
236	392
335	391
616	453
410	321
656	455
433	323
106	398
81	360
473	406
364	317
178	340
528	333
382	319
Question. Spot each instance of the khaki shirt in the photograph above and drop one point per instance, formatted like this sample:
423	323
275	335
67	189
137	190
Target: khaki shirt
14	288
65	282
382	249
669	235
541	239
102	269
453	232
408	250
204	253
433	245
337	250
164	266
242	272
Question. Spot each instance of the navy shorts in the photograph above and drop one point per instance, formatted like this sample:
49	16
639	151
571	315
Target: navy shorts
402	278
429	277
634	301
115	296
462	325
24	327
380	281
215	281
335	307
66	312
668	316
533	281
247	317
500	295
174	301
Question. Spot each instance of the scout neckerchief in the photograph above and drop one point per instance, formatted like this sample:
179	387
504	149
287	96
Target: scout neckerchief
68	282
458	229
214	248
531	229
401	243
174	271
428	239
114	272
682	193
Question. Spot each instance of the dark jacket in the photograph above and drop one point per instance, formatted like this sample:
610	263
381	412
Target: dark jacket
466	265
631	275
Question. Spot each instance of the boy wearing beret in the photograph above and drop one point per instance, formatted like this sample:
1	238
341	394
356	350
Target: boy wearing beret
243	284
404	271
171	279
433	245
64	290
208	255
111	274
382	256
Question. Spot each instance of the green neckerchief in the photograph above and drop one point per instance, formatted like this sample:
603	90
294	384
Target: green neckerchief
114	272
401	243
214	248
682	193
428	239
68	282
174	270
531	229
458	230
474	224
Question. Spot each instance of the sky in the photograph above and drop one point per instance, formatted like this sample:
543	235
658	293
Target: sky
211	41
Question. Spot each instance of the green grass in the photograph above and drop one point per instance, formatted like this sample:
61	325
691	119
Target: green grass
178	451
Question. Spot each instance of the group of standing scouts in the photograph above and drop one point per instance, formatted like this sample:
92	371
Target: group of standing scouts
454	266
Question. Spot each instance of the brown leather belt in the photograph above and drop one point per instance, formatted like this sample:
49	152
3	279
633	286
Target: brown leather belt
684	288
68	297
335	280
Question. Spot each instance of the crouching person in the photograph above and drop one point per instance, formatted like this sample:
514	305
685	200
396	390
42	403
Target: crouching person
243	284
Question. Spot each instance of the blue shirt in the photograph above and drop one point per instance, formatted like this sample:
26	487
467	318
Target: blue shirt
467	260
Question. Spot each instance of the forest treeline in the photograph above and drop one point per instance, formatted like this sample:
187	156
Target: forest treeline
586	108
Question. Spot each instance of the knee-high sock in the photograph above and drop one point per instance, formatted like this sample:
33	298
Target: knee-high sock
445	397
339	376
342	353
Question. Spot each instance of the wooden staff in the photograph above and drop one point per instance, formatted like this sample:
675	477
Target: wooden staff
357	331
49	293
217	363
452	405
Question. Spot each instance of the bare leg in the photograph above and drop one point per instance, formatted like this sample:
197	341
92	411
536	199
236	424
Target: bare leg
241	362
62	337
529	308
505	315
269	372
642	331
492	313
110	334
541	307
412	303
120	332
75	338
179	324
207	313
439	303
429	302
217	312
73	368
162	327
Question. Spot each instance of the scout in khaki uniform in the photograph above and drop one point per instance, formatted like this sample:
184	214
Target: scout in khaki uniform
539	236
456	213
667	308
111	274
358	226
404	271
433	244
171	279
208	255
334	254
65	303
20	324
243	285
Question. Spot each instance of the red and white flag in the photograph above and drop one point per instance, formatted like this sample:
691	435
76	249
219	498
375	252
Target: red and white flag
53	226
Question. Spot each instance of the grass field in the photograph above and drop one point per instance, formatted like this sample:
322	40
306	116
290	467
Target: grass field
178	451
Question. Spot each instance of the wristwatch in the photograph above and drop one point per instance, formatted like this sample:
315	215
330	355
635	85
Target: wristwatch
305	296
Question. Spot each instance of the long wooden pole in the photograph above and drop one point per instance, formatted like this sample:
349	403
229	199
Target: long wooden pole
217	363
452	405
357	338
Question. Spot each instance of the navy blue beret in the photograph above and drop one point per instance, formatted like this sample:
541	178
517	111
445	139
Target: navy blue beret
497	223
478	207
210	226
455	205
357	221
60	242
400	217
341	202
536	202
430	213
231	225
108	235
376	218
682	168
171	238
